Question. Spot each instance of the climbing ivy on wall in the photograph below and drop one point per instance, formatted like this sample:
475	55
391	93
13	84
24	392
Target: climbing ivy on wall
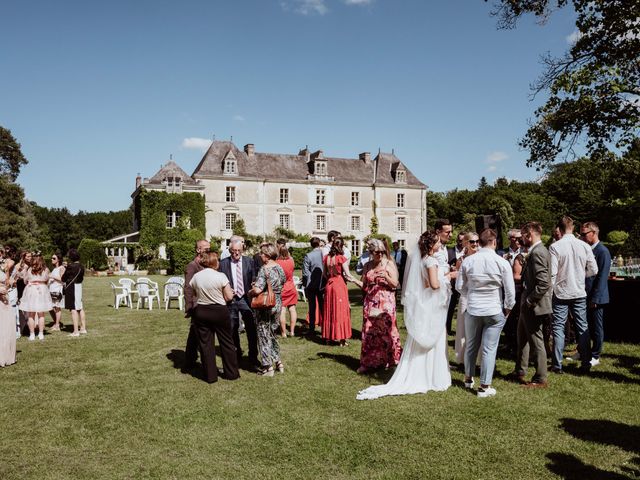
153	207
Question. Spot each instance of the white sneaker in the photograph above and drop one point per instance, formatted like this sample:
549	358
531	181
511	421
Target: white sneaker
41	336
486	392
470	384
595	361
32	337
83	332
74	334
574	358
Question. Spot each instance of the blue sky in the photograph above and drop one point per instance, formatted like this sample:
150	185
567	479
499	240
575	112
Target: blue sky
97	92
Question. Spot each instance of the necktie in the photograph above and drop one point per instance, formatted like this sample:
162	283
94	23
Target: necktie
239	282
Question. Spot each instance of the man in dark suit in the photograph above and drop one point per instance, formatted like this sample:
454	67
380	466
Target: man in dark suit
453	254
241	273
597	289
400	257
535	306
313	282
191	350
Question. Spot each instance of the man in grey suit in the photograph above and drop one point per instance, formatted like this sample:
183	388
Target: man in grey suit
535	306
312	280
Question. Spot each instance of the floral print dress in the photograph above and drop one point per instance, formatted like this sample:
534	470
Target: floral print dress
268	319
380	337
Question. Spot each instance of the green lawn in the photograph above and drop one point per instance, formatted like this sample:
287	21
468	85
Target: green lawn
114	404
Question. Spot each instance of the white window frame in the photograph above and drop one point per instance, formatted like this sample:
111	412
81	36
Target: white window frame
355	223
284	195
355	199
356	247
321	169
401	176
400	200
230	167
230	194
173	217
229	219
401	224
321	196
287	220
321	223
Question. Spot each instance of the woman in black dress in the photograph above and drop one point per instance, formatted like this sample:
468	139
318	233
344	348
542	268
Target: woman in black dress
72	279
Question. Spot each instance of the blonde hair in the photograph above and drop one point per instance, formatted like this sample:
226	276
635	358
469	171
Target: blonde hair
269	250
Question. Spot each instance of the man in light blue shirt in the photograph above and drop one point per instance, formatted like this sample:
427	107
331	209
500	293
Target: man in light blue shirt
482	279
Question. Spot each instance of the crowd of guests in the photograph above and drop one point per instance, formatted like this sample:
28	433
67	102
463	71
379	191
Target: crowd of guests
30	291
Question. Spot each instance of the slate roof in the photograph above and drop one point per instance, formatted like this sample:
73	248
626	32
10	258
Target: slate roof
276	166
171	169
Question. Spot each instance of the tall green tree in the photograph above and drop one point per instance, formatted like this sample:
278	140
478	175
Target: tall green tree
11	157
593	90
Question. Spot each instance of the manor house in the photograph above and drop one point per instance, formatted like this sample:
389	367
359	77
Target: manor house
305	192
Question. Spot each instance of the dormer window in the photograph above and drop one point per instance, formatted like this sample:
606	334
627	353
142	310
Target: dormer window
401	176
321	169
230	166
173	184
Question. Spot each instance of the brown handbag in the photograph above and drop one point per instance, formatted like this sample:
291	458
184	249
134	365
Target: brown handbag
266	299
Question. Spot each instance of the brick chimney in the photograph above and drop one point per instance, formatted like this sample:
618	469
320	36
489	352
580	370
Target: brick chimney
305	153
250	149
138	181
365	157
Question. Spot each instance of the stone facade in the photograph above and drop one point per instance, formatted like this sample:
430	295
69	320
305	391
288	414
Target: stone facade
306	193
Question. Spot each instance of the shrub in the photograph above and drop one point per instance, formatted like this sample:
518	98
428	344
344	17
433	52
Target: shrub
298	255
180	254
617	236
92	254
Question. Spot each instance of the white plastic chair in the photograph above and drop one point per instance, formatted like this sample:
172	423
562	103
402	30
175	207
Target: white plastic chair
298	284
120	296
173	290
147	292
130	286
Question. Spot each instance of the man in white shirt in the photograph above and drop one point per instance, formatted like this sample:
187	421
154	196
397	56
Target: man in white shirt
482	278
571	261
443	228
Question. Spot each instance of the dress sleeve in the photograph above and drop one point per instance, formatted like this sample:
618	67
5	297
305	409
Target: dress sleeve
261	279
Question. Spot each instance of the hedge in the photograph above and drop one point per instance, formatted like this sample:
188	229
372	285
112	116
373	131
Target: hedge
180	254
92	254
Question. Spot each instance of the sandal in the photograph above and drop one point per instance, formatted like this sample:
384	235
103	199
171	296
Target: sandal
280	367
265	372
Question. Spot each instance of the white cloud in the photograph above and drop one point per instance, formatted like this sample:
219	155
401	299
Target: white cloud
492	168
574	37
306	7
195	143
239	118
358	2
496	157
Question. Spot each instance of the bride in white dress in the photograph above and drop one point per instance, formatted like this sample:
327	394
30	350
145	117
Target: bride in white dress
424	364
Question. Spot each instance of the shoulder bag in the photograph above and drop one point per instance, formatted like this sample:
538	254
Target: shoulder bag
265	299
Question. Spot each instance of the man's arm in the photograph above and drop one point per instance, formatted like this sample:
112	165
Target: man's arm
461	284
542	272
189	294
592	265
305	270
602	277
509	285
554	265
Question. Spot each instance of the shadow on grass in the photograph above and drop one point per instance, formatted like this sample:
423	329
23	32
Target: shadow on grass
570	467
625	361
347	360
609	376
606	432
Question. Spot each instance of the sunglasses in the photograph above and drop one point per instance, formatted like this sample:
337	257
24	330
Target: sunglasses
584	234
473	242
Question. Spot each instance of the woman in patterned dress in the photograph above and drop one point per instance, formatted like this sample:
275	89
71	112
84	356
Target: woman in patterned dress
336	317
268	319
36	299
289	292
380	337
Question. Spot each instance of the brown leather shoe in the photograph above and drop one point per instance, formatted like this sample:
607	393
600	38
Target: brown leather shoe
536	384
516	377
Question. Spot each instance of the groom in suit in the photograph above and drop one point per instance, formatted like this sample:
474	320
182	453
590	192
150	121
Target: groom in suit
313	282
240	271
535	306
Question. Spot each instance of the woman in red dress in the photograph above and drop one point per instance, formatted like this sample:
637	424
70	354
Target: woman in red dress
289	292
336	318
380	337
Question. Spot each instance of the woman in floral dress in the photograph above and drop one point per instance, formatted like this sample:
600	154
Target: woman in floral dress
380	337
268	319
